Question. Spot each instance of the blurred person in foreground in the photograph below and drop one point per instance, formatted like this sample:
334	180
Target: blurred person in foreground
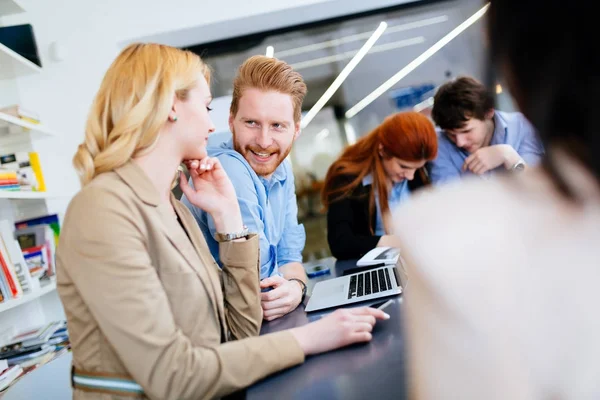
502	298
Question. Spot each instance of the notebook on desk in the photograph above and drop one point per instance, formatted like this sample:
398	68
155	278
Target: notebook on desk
381	281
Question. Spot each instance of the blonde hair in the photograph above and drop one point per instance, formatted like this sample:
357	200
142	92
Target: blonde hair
267	73
133	103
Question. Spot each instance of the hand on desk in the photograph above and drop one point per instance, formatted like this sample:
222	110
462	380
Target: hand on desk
284	298
338	329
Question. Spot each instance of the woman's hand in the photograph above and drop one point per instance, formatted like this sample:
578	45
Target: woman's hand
340	328
213	192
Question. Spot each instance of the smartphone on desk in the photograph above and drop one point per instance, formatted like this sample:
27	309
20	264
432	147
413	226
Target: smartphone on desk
317	270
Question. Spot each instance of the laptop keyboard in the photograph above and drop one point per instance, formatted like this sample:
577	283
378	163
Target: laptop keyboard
369	282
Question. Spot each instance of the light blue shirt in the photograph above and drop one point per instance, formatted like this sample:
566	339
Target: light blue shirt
510	128
268	208
399	194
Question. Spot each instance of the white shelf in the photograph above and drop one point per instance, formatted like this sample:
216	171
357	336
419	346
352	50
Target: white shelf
13	65
26	195
8	7
8	304
6	119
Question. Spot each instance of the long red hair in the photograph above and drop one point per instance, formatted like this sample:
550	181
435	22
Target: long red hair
409	136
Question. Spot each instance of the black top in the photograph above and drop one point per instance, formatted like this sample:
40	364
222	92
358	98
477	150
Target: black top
348	221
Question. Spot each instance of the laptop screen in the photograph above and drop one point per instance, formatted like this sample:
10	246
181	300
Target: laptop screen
388	254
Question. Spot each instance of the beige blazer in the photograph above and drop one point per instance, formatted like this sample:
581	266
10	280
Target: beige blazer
502	297
146	300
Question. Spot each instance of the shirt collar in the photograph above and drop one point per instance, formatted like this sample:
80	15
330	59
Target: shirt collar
397	189
500	127
367	180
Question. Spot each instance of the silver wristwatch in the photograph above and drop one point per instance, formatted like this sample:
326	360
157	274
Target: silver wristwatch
227	237
519	165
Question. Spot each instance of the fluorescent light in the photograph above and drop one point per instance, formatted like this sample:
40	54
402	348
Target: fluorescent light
415	63
361	36
498	88
428	102
322	135
349	54
350	132
343	75
270	51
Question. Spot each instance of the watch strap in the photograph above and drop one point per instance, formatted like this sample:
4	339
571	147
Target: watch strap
519	165
302	285
227	237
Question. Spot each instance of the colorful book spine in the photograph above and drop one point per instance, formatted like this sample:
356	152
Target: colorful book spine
10	276
9	180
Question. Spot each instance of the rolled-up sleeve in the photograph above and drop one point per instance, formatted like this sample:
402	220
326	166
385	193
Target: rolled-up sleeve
240	286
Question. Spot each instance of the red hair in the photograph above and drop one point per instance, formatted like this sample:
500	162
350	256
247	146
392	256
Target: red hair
409	136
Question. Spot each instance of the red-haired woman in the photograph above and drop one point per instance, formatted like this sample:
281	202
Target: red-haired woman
371	177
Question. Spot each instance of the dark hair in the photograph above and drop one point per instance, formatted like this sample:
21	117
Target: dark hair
546	52
409	136
459	100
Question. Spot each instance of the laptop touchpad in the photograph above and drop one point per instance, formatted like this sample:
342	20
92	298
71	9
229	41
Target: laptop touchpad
331	288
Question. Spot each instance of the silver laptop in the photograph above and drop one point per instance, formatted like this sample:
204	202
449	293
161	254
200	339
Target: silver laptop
362	286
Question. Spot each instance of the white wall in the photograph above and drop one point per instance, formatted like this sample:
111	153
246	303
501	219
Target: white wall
90	34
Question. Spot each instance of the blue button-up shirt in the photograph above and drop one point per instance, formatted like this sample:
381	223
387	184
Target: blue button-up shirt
510	128
268	208
399	194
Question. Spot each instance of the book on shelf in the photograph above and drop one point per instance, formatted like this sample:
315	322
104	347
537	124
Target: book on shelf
51	220
38	245
33	338
35	347
9	181
15	255
31	349
9	376
9	275
27	255
21	171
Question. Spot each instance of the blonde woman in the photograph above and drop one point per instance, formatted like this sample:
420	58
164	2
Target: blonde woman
150	314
